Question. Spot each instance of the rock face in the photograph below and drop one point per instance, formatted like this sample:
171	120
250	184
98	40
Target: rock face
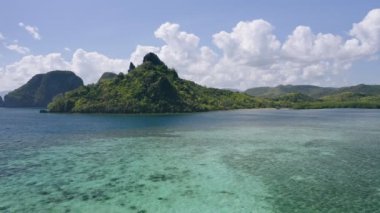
107	76
131	67
153	59
150	88
41	89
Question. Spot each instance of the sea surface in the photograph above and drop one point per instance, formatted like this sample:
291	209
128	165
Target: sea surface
227	161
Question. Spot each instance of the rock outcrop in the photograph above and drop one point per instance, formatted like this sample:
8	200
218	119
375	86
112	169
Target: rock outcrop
41	89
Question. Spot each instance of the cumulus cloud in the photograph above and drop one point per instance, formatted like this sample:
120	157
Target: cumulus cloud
18	73
181	51
251	55
17	48
32	30
91	65
88	65
250	43
248	55
2	37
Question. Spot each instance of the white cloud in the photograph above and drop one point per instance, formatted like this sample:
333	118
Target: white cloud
67	49
181	51
251	54
2	37
365	36
88	65
17	48
91	65
32	30
250	43
247	56
140	52
18	73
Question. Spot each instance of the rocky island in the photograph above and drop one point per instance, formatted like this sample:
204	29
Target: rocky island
151	87
41	89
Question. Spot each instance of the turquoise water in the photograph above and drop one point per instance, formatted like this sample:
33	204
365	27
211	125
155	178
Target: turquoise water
232	161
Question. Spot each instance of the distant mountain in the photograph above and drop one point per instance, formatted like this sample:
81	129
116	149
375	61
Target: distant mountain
41	89
1	101
312	91
313	97
360	89
150	88
274	92
107	76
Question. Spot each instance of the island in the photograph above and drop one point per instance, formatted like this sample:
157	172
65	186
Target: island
42	88
151	87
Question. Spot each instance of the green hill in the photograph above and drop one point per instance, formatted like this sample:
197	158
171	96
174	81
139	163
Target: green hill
150	88
274	92
360	89
313	97
107	76
343	100
41	89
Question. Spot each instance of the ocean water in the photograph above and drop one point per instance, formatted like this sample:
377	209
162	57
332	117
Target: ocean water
228	161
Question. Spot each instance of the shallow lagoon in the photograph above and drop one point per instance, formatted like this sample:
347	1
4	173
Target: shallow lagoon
231	161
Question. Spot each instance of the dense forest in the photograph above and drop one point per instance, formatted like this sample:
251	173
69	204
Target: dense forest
313	97
151	88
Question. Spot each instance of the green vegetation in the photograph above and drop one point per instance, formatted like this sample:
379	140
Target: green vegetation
313	97
41	89
107	76
151	88
154	88
342	100
275	92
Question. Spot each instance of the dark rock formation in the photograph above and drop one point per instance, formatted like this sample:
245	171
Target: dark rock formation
131	67
153	59
41	89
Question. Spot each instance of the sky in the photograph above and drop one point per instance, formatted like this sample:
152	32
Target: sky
226	44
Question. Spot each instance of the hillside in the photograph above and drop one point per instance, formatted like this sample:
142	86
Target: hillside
107	76
150	88
41	89
313	97
359	89
274	92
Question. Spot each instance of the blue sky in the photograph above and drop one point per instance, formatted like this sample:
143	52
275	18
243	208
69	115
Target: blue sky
114	29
